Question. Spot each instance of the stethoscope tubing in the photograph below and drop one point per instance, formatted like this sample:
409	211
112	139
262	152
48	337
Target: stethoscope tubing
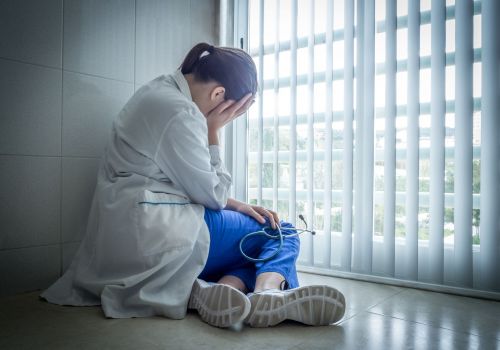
277	236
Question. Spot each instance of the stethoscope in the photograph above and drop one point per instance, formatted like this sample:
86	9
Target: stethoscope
280	235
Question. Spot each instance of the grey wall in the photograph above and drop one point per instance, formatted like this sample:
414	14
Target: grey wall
66	69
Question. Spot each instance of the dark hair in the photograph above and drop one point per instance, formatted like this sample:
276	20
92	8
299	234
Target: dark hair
232	68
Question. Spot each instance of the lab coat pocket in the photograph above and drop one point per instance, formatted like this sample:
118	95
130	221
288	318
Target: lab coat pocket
165	223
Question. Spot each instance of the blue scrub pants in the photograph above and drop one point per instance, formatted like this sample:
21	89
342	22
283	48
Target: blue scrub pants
224	258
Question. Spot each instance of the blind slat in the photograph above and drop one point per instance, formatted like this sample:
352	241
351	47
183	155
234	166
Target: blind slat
293	113
359	140
261	104
412	156
463	143
490	148
368	135
309	247
436	187
327	203
276	87
390	139
347	180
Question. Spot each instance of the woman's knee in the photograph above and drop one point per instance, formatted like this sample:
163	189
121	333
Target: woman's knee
243	222
293	241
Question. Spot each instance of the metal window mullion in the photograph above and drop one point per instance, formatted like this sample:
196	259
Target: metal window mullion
490	148
293	113
267	193
390	139
309	248
261	104
337	154
276	108
359	140
463	143
338	74
347	180
436	187
368	135
327	202
412	157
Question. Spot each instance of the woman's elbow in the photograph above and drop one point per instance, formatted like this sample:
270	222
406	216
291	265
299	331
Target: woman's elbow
218	202
212	200
214	206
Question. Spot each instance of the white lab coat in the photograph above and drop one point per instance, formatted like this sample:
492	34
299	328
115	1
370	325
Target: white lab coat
146	240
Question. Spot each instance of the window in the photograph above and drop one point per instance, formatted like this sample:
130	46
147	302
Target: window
368	122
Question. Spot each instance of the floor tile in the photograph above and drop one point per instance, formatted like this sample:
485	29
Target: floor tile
359	295
45	323
462	314
283	336
372	331
62	327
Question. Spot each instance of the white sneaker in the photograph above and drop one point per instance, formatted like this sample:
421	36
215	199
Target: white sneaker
219	305
311	305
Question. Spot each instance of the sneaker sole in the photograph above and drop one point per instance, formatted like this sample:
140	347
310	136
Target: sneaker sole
311	305
219	305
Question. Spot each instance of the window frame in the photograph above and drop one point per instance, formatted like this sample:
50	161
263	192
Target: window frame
241	14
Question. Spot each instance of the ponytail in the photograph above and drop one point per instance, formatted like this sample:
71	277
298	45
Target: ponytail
232	68
193	56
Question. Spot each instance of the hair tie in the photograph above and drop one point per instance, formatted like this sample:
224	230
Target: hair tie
208	51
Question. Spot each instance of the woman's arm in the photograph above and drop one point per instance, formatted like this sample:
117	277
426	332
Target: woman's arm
184	157
254	211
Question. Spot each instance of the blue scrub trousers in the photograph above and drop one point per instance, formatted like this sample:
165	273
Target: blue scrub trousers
224	258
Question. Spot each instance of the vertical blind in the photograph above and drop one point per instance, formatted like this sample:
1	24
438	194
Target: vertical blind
379	122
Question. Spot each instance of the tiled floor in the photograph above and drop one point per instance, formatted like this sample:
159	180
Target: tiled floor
378	317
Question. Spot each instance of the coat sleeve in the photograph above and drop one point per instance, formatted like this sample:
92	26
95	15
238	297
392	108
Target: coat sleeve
184	156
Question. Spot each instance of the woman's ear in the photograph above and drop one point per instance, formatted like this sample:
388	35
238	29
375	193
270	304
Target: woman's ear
218	94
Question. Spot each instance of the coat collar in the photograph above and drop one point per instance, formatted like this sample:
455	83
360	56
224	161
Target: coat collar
182	84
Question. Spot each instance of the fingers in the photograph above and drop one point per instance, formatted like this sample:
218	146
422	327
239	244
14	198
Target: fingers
270	215
229	110
223	106
254	214
233	107
245	107
275	216
240	104
260	213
